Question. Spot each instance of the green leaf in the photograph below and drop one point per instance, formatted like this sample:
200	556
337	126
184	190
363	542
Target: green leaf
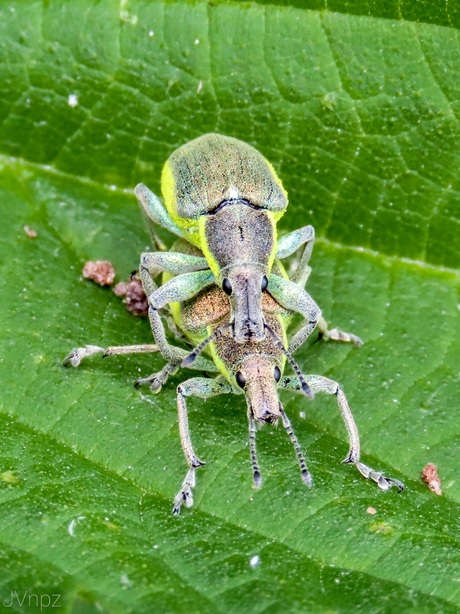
357	108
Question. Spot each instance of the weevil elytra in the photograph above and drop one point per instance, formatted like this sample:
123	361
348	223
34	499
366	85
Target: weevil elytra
253	368
225	198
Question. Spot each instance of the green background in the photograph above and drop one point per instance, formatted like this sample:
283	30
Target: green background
356	104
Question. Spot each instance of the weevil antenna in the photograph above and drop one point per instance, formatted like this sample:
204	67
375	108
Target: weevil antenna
295	367
199	348
306	475
252	449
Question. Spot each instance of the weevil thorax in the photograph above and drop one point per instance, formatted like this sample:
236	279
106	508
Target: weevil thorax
228	199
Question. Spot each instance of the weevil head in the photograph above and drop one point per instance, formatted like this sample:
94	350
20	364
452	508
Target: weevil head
258	375
239	243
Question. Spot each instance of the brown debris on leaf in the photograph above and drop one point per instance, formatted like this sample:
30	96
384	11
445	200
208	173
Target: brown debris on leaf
134	296
431	477
99	271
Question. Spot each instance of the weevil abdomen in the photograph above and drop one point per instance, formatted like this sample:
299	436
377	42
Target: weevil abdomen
214	170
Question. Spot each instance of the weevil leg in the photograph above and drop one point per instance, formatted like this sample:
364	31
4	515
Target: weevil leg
78	354
154	210
204	389
322	384
299	277
171	353
172	262
180	288
289	244
293	297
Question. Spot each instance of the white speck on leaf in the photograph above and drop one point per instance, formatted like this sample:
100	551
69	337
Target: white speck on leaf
72	100
73	524
125	581
255	560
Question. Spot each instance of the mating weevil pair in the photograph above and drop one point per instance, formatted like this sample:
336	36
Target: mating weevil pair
229	294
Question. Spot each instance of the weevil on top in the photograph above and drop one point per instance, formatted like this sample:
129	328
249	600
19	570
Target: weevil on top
222	196
230	296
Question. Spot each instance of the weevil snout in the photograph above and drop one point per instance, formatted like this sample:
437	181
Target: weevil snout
245	284
240	240
259	375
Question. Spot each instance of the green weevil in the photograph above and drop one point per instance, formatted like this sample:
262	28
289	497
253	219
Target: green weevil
224	197
254	368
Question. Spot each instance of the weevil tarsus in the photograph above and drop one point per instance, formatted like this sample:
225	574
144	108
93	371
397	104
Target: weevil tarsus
75	357
382	481
185	494
157	380
336	334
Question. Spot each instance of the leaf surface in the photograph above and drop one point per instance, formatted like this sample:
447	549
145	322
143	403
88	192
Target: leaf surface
357	108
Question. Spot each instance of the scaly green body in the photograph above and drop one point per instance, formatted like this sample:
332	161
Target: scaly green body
222	196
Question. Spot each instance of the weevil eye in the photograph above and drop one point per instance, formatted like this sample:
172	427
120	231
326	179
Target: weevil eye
240	379
277	374
264	283
227	286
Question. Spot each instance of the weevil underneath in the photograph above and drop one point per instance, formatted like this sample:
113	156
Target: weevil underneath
254	368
